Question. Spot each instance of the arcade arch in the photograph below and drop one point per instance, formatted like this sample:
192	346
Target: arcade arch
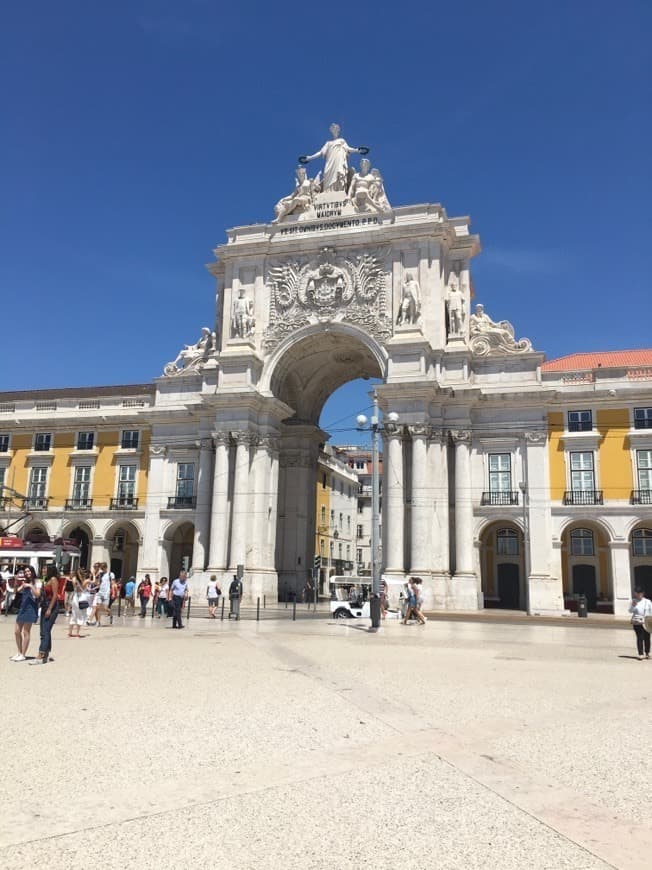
586	565
82	534
122	543
502	565
641	556
178	542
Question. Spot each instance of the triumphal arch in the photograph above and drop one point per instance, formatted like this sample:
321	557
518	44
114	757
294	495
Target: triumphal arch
341	284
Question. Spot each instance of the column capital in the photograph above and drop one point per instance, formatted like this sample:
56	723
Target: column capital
221	437
436	435
461	436
204	443
158	449
419	430
243	436
269	442
538	437
392	430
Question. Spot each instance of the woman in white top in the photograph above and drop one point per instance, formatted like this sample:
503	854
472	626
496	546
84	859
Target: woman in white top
640	608
162	600
79	604
213	593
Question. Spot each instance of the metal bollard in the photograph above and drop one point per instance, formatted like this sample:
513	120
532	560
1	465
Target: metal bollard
119	605
264	602
222	615
582	606
258	610
294	609
188	608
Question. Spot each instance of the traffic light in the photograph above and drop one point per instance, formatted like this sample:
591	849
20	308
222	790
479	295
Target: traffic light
316	564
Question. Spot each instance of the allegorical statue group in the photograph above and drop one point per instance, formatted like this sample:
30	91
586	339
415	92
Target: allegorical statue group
364	188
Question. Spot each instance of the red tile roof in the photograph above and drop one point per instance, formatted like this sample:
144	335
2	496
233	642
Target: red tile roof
608	359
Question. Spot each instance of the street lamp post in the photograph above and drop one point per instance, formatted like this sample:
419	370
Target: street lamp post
376	428
526	545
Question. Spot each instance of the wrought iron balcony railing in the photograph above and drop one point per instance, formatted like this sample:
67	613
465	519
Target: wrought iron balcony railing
642	496
79	504
181	502
36	503
124	503
583	496
500	498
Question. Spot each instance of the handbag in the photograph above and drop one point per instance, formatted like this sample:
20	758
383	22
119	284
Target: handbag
83	604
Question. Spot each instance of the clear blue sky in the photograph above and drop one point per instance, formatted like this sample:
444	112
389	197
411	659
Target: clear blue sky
136	132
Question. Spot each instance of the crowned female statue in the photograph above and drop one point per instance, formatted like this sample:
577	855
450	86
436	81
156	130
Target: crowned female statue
336	156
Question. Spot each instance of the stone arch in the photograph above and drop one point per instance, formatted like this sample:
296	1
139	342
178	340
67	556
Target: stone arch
83	532
640	555
310	365
502	564
123	539
586	563
178	540
36	527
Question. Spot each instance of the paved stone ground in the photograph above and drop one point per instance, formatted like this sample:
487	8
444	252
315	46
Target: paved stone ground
315	744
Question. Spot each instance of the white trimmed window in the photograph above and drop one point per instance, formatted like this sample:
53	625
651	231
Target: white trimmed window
500	472
130	439
85	440
323	515
358	556
42	441
360	531
642	418
126	483
580	421
185	481
644	469
506	542
582	542
582	471
642	542
81	487
38	485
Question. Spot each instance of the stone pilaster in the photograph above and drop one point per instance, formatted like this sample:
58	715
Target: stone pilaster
238	550
200	548
394	500
621	577
149	554
219	507
463	504
421	502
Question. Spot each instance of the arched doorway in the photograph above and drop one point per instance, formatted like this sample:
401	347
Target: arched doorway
303	374
82	536
36	533
502	566
586	566
123	540
178	543
641	556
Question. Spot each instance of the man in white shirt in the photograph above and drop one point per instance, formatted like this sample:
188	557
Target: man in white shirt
179	591
641	610
104	593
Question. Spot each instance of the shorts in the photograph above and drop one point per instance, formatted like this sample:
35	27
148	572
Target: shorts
213	602
100	598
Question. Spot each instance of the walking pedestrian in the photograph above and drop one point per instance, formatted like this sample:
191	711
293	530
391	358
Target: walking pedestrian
641	608
114	594
163	596
27	613
104	593
144	594
179	592
79	604
213	593
156	591
130	592
69	588
235	596
49	600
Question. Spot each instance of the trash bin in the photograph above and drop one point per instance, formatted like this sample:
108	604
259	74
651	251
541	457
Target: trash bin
582	606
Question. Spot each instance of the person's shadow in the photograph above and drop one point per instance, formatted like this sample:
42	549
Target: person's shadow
635	658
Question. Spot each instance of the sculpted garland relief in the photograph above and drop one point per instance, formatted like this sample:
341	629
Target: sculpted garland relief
329	287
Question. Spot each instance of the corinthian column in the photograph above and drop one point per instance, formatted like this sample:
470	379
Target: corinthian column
438	477
394	500
238	552
463	504
203	510
219	507
421	503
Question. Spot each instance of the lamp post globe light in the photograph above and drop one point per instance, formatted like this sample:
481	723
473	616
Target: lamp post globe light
376	428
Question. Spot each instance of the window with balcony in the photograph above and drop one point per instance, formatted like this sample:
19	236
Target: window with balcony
341	525
4	443
506	542
85	440
42	441
332	519
643	495
582	479
500	481
582	542
322	547
81	489
37	491
185	488
130	439
580	421
642	542
642	418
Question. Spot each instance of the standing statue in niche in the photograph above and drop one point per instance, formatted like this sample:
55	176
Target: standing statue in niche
336	156
455	308
366	190
242	318
301	198
410	308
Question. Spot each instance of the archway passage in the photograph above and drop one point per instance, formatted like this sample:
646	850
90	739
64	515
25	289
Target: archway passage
122	542
178	544
82	538
586	566
641	555
501	566
304	376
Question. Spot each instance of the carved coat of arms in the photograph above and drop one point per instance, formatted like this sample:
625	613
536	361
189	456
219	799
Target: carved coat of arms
347	287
